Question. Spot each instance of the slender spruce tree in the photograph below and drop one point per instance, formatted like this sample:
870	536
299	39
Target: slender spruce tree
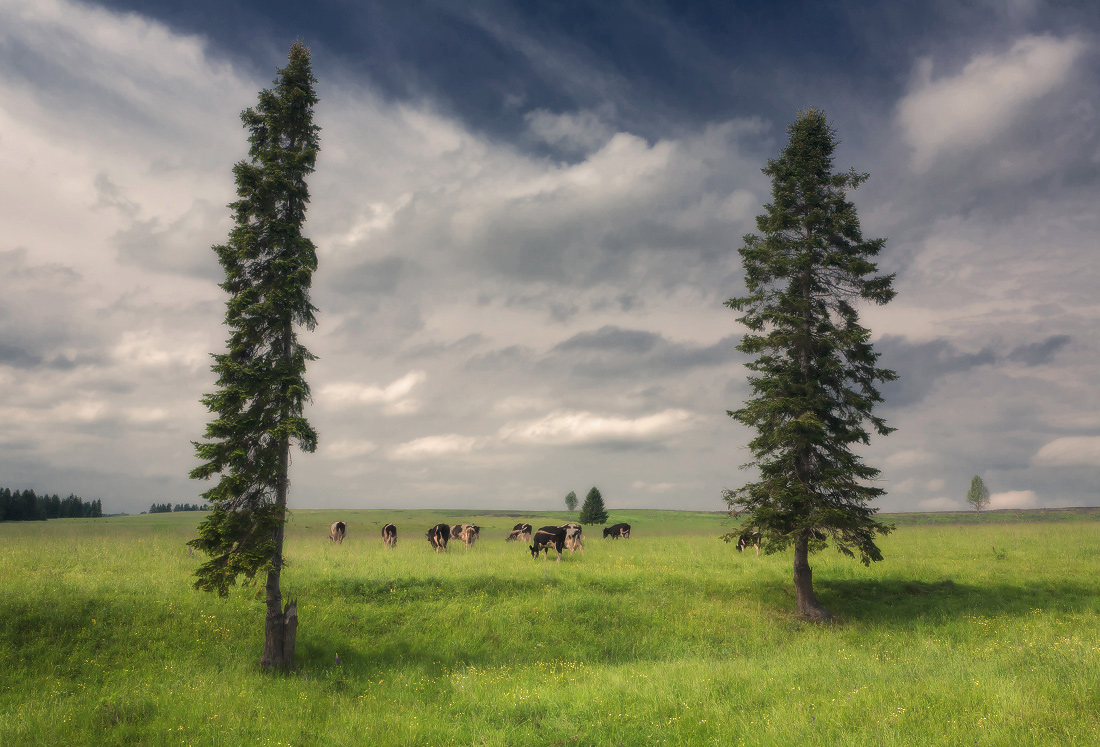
592	510
814	371
261	386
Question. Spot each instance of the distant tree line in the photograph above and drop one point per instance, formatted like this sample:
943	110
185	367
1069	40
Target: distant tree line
167	508
26	505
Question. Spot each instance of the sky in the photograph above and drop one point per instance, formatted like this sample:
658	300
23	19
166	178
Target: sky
527	218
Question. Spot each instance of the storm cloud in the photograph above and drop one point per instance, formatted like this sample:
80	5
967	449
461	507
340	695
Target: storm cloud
526	227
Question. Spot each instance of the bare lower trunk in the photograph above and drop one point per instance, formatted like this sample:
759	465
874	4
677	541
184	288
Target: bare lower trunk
279	622
808	605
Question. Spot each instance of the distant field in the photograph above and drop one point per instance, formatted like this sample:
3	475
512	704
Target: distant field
977	628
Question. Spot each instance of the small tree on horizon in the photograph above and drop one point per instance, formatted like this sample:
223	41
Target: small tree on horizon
978	495
814	371
592	512
571	501
261	386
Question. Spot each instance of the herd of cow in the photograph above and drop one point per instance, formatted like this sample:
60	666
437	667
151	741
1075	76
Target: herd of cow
567	536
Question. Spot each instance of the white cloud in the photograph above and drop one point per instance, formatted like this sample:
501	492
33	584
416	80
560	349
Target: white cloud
347	448
565	427
1014	499
435	447
1069	451
517	404
583	131
970	108
660	487
942	503
395	397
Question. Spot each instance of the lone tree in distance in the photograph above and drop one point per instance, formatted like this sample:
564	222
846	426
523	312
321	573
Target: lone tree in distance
261	386
592	512
571	501
814	372
978	495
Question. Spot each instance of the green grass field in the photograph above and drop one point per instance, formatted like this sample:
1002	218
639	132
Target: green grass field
974	630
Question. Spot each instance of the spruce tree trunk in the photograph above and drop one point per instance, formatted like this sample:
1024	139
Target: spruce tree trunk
808	605
275	624
276	655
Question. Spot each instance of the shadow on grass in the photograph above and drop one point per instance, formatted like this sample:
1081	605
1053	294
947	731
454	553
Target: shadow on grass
411	590
892	600
429	625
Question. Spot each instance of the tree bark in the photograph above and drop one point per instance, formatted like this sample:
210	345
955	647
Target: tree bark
808	605
275	624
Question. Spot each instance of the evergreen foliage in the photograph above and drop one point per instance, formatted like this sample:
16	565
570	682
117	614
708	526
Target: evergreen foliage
165	508
26	505
261	386
592	511
571	501
814	369
978	494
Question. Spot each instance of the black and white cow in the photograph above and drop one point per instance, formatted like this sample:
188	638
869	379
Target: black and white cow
467	533
748	538
439	535
389	535
545	538
338	531
573	537
521	532
617	530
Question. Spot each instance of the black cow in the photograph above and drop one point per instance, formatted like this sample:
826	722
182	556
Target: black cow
389	535
438	536
748	538
520	532
338	531
617	530
545	538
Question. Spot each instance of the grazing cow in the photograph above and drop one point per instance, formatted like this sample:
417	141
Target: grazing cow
617	530
389	535
521	532
438	536
748	538
573	537
337	532
468	533
545	538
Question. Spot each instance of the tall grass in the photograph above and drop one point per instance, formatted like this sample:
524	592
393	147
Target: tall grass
982	633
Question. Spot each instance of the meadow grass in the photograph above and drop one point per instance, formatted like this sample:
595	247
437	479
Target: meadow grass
983	632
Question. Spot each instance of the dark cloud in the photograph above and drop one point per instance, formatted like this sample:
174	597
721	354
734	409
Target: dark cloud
437	349
610	352
17	356
181	247
609	338
47	275
920	365
374	277
1038	353
513	356
110	195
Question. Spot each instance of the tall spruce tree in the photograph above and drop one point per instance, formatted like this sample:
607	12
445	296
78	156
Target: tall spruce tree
814	371
592	510
978	494
261	386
